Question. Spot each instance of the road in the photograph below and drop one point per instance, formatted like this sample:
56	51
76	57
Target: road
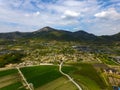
28	85
60	67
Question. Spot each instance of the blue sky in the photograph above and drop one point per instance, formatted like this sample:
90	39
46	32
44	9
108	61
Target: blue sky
100	17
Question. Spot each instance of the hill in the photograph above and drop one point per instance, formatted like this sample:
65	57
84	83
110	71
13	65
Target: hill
48	33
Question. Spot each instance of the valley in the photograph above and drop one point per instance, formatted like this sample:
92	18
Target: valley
91	61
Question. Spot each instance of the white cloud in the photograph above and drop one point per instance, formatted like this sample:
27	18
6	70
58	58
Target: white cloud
36	13
101	14
71	13
111	13
63	13
32	14
27	15
108	28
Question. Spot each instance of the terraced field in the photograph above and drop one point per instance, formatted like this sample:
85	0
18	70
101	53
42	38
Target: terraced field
10	80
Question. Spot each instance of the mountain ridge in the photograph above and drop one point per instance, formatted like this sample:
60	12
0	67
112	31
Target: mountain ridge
48	33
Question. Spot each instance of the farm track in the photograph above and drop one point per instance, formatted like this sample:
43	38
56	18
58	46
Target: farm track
60	67
24	79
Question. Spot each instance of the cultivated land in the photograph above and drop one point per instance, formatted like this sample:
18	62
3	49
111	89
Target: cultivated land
91	61
47	78
40	75
14	86
61	83
86	76
46	75
10	80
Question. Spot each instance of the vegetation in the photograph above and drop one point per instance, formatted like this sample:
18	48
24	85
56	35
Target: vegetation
9	80
49	34
10	58
86	75
46	74
61	83
8	72
14	86
41	74
106	59
52	46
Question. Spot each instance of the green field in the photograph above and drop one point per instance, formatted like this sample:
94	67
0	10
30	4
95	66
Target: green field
86	76
8	72
47	78
10	80
14	86
61	83
40	75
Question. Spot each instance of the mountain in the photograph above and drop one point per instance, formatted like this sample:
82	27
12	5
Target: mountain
48	33
115	37
82	35
46	29
13	35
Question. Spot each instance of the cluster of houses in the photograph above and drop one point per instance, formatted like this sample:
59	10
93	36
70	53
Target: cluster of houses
112	76
90	49
27	63
5	51
112	71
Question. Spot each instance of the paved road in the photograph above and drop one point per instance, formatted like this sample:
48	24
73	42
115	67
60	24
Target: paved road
28	85
60	67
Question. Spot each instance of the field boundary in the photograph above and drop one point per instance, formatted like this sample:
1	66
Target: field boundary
24	79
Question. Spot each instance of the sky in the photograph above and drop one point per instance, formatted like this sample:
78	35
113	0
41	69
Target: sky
100	17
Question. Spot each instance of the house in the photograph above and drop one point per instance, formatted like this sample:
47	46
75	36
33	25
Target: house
111	71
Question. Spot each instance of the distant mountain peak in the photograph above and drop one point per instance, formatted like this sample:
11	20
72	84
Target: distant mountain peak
83	32
46	29
80	31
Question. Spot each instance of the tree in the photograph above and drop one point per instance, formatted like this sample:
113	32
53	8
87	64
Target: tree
10	58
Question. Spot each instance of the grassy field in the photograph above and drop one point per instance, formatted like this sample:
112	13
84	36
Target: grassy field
59	84
86	76
8	72
47	77
14	86
41	75
9	80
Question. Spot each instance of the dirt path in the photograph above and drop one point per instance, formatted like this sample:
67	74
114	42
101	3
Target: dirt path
60	67
24	79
